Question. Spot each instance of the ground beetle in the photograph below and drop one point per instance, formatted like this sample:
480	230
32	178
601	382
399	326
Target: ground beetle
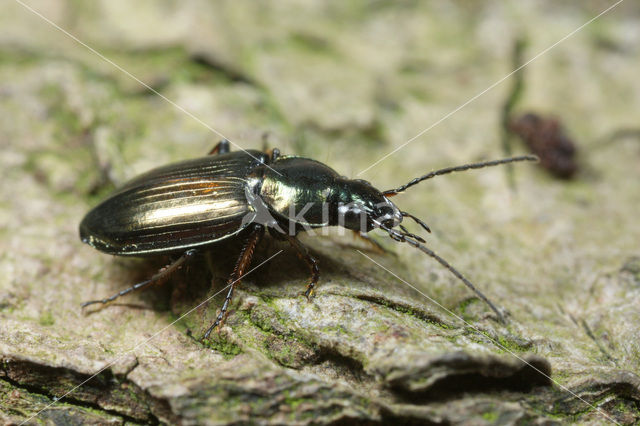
188	206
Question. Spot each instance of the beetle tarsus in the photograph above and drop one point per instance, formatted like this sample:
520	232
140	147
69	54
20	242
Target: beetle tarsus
163	273
310	292
243	262
311	261
220	319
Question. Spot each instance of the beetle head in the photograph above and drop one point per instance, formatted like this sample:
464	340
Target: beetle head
362	206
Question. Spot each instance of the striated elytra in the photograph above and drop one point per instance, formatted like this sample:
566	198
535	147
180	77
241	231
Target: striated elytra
189	206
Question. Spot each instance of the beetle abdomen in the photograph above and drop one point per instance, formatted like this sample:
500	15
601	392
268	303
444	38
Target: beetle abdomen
174	207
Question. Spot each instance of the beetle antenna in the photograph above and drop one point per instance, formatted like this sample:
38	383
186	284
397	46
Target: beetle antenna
392	192
404	238
409	234
416	220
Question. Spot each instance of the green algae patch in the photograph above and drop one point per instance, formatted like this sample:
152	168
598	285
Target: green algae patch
46	319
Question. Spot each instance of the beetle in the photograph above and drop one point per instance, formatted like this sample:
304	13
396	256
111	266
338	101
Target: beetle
189	206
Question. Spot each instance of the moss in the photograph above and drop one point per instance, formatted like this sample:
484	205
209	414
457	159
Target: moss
67	122
490	416
311	43
464	305
513	345
241	89
261	318
289	349
500	342
46	318
218	343
407	310
293	403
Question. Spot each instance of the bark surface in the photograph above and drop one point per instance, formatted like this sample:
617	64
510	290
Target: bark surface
390	337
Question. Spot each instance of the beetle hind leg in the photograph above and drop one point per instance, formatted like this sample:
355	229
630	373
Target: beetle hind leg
243	262
303	254
162	274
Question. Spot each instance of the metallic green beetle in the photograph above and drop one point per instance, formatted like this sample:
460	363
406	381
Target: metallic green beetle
189	206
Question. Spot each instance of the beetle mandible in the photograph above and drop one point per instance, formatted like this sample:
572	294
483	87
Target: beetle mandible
188	206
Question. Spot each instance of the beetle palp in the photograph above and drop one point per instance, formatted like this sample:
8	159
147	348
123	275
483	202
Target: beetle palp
409	234
416	220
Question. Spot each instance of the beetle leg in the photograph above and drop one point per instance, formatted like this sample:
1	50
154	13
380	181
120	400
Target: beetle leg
163	273
221	147
265	140
274	154
243	262
303	254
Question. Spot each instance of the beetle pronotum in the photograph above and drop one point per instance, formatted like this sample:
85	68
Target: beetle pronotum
188	206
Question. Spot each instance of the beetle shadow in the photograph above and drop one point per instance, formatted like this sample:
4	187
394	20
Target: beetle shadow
288	275
366	244
128	271
180	292
205	275
208	273
344	271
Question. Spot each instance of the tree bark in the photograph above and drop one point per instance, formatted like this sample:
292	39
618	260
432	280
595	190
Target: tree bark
389	337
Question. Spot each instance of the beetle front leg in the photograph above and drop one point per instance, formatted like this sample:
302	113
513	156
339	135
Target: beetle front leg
244	260
303	254
221	147
162	274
